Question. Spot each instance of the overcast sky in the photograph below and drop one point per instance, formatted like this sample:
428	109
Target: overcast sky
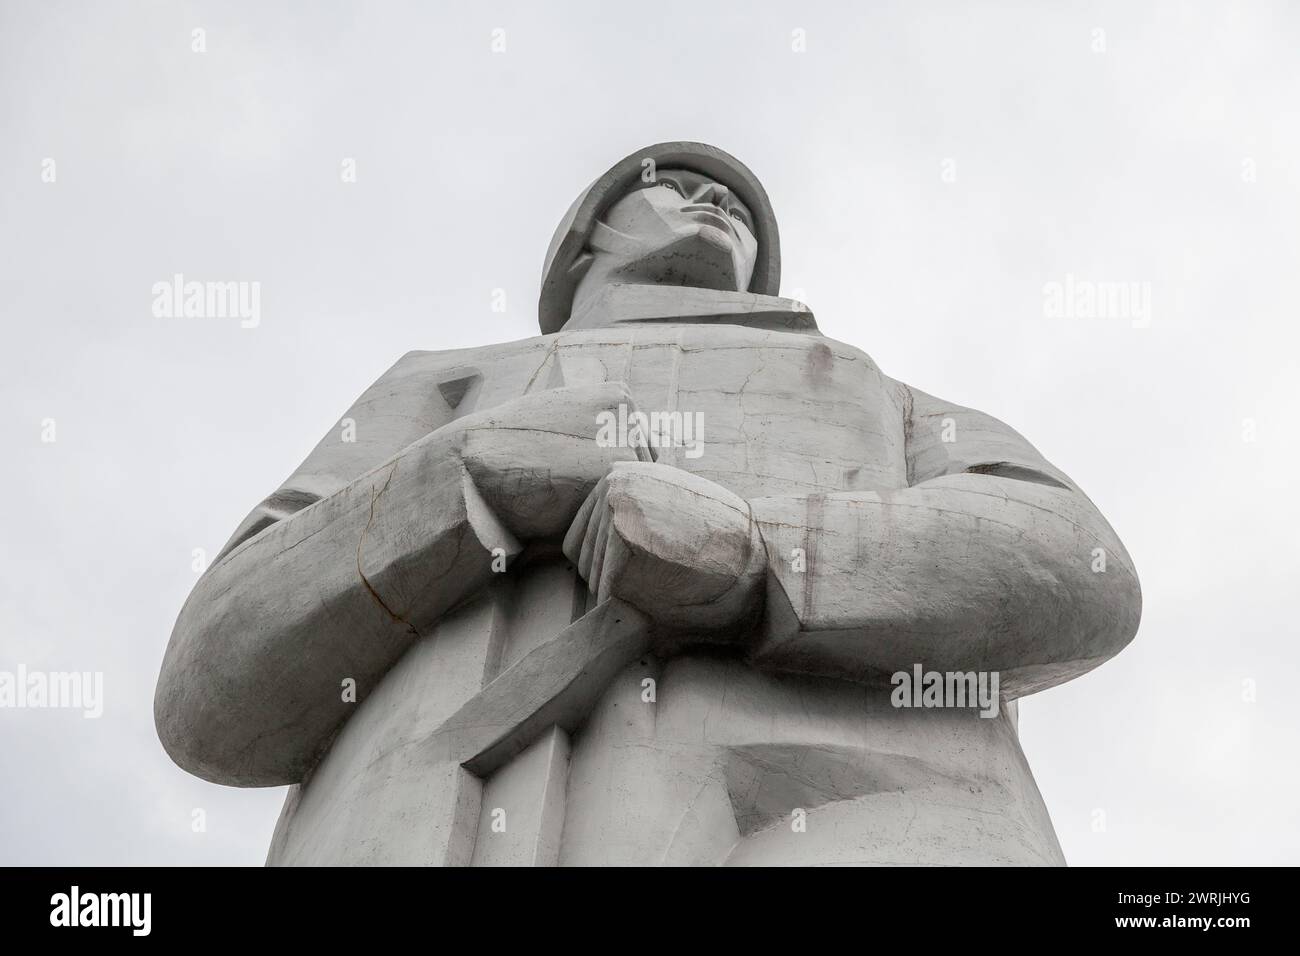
934	166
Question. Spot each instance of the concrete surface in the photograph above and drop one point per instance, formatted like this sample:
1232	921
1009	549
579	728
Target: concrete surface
567	651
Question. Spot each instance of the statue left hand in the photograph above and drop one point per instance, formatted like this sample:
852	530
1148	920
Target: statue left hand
679	547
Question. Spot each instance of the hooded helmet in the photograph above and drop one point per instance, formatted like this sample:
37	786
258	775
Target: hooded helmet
565	264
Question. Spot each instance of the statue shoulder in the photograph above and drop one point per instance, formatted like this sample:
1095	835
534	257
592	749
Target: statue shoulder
423	363
945	438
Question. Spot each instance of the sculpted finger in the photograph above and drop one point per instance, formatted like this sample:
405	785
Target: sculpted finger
575	537
591	533
613	560
603	530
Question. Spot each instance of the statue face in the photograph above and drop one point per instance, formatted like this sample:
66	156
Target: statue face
681	229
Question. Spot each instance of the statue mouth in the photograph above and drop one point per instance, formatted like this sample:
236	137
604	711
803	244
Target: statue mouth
708	213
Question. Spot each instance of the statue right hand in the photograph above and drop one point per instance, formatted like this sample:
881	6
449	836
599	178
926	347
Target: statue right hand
535	459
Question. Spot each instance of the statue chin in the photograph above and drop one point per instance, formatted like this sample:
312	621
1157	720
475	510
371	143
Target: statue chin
700	255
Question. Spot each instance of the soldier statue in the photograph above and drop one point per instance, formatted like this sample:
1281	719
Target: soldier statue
638	590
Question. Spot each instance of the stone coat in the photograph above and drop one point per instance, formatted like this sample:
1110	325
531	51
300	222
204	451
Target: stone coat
899	529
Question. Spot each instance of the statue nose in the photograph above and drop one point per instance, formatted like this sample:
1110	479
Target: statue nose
715	193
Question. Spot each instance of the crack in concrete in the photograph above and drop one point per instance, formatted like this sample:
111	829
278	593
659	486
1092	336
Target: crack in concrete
361	543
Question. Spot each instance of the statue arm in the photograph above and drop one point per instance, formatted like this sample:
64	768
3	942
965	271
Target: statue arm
990	559
337	588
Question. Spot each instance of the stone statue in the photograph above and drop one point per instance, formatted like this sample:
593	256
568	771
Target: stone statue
652	587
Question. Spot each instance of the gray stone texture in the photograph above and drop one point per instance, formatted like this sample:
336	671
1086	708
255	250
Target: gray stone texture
567	652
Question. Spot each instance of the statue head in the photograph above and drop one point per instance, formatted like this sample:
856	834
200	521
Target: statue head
682	214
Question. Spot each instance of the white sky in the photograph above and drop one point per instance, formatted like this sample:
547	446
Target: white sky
1123	165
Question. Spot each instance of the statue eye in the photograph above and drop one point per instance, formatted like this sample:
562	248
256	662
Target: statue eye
735	214
668	184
